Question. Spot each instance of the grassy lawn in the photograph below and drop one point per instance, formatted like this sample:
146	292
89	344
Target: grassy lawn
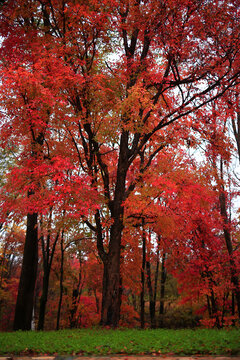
127	341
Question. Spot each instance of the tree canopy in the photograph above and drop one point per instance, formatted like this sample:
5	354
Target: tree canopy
101	105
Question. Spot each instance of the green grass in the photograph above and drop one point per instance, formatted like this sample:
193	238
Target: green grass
127	341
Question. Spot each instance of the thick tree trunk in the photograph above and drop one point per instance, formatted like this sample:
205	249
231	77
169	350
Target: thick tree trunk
112	289
25	298
111	297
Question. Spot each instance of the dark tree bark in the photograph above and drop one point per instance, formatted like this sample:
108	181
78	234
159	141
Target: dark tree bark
25	298
97	301
72	318
162	290
60	283
76	296
111	296
48	254
43	299
112	290
152	288
209	306
233	308
156	278
142	300
236	131
151	296
214	309
225	297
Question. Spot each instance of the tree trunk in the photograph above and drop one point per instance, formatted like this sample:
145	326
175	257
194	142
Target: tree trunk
111	297
112	289
152	289
142	301
225	297
73	310
47	265
60	284
151	296
43	300
234	277
236	131
76	296
233	308
209	306
97	301
215	309
156	279
162	290
25	298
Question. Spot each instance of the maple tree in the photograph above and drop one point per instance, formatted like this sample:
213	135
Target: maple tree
103	88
